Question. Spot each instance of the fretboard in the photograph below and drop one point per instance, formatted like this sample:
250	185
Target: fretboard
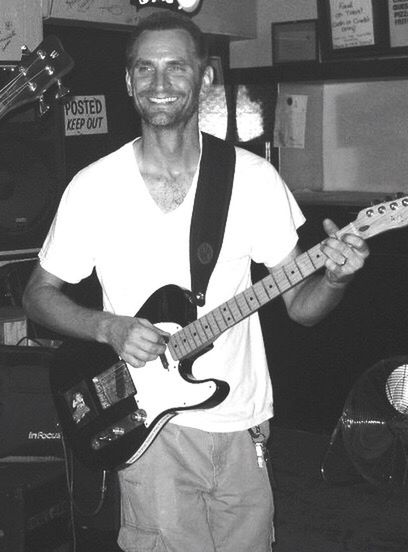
205	330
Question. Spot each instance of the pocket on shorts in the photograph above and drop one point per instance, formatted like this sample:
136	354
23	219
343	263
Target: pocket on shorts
140	539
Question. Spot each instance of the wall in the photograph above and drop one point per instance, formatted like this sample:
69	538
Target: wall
356	137
365	136
303	167
20	24
236	19
258	53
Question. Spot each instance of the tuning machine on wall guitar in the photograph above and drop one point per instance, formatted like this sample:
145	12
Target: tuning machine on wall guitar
37	71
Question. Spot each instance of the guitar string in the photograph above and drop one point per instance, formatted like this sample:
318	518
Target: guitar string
14	82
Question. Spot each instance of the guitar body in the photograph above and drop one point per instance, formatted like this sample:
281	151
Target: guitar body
110	412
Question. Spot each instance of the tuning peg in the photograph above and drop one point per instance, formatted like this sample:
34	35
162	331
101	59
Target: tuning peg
42	106
62	90
25	51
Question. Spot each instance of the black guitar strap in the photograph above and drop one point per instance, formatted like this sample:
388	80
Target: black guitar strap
210	211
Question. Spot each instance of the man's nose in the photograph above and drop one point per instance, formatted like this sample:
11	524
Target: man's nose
160	80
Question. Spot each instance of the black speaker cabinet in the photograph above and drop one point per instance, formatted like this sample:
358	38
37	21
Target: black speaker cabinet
32	174
28	420
34	508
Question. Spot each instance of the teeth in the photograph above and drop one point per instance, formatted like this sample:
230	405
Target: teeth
163	100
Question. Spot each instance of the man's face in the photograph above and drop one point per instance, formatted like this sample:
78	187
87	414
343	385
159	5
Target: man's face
166	78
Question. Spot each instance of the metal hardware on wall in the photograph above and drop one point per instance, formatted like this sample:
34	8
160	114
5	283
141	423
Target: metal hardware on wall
189	6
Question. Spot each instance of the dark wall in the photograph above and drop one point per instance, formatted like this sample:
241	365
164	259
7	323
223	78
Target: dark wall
313	369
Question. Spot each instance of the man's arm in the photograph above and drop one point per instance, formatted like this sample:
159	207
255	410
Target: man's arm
310	301
135	340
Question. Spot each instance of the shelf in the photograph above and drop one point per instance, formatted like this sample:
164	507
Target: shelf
359	69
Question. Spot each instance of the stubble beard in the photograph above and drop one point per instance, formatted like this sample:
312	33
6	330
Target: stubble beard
168	119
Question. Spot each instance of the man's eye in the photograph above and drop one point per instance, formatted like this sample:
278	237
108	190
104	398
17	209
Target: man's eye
177	67
141	69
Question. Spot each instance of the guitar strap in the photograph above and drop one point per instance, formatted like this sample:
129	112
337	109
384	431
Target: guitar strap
214	188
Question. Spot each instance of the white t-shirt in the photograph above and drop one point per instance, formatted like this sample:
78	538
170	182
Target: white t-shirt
107	219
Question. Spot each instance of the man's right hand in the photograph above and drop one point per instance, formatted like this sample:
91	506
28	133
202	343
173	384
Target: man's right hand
135	340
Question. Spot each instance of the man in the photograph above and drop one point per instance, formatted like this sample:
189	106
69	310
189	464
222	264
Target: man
200	486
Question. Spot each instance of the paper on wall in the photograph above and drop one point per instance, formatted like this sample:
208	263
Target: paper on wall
290	121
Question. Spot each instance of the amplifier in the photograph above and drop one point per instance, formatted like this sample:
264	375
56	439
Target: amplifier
28	420
34	508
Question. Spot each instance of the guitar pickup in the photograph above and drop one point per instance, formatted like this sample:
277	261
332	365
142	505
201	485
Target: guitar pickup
114	384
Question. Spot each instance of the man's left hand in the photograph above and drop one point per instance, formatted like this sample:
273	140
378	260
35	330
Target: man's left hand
345	255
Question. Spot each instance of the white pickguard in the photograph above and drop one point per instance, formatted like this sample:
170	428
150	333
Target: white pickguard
159	389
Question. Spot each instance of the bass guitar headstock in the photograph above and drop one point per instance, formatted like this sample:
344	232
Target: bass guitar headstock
36	73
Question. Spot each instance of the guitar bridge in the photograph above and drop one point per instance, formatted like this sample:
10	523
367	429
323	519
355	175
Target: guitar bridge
114	384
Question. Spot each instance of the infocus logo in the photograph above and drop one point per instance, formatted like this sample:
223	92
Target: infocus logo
43	435
186	5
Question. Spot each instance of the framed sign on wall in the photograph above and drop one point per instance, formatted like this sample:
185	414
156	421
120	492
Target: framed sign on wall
294	41
353	28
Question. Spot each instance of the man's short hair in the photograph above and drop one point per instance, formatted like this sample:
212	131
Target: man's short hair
166	20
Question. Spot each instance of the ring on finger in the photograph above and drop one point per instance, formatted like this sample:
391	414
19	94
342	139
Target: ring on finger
343	262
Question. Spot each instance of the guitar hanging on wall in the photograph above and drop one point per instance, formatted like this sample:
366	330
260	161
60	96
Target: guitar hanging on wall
110	413
36	73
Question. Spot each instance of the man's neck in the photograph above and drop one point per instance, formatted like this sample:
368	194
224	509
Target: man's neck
167	162
168	150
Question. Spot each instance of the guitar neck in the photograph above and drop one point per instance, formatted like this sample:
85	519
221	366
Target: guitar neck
202	332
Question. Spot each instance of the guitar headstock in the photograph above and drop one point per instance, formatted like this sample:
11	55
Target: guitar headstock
379	218
37	72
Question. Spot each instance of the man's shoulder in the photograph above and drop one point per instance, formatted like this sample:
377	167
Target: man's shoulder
249	164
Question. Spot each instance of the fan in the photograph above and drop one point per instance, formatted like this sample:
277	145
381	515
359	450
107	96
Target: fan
374	425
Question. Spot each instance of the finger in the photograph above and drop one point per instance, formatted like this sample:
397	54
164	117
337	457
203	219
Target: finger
153	333
133	361
330	227
356	244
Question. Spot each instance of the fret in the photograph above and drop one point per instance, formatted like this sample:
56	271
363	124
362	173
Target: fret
305	264
316	256
189	339
200	331
220	319
251	298
243	305
293	273
179	346
235	310
205	324
214	324
260	293
281	279
194	333
270	286
226	314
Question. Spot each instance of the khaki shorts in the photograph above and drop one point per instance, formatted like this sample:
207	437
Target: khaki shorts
194	491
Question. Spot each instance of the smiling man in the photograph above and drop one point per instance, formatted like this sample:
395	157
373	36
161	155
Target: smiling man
202	485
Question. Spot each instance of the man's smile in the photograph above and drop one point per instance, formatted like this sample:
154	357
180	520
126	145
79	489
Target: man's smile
161	101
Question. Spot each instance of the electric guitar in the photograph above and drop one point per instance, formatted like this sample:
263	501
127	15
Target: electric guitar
37	72
110	413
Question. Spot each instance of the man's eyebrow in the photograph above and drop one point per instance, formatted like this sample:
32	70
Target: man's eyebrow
141	61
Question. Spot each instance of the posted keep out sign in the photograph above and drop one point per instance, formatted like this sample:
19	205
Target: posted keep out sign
85	115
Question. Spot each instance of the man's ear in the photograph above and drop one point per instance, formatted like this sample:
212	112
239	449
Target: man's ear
128	83
207	80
